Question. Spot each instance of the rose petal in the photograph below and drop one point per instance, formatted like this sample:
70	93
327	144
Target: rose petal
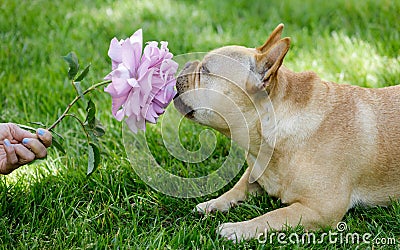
128	57
134	123
119	115
150	114
158	108
145	87
137	41
168	95
131	122
133	82
116	105
141	124
165	51
151	53
121	72
132	102
110	89
121	87
114	51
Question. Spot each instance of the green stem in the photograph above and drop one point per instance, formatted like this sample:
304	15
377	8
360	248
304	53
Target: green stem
91	88
80	122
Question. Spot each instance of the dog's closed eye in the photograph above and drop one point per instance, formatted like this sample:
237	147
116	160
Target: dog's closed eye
204	69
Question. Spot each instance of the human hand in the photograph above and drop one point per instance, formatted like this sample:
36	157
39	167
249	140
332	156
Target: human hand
19	147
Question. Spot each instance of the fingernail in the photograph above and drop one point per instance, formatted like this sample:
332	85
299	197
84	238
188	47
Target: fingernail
7	142
41	131
25	141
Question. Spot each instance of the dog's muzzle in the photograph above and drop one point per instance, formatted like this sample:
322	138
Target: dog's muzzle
183	85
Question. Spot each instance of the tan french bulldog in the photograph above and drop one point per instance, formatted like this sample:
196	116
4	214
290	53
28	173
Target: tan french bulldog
331	146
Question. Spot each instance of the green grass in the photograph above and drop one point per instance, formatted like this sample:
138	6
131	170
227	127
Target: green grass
52	204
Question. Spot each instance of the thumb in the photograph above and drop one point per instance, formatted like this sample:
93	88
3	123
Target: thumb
44	136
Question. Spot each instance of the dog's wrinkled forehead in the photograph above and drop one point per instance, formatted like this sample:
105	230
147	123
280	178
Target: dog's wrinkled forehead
234	63
224	57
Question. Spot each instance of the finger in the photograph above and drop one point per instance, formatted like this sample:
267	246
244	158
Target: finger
24	154
10	152
45	136
18	133
12	159
35	146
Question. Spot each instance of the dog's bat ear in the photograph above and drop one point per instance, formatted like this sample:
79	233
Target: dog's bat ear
268	63
272	39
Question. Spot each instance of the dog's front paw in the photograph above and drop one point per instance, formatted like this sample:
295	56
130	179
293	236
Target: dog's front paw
236	232
219	204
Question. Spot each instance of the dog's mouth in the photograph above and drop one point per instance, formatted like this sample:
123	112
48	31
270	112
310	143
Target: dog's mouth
183	108
190	115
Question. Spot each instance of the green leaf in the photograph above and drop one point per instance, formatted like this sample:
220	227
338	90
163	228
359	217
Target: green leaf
99	129
91	135
91	115
38	123
94	157
73	64
78	89
58	145
27	127
83	74
57	134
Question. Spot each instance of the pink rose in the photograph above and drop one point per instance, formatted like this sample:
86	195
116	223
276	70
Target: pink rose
142	85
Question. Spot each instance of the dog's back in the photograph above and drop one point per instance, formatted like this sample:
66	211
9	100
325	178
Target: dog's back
380	180
361	134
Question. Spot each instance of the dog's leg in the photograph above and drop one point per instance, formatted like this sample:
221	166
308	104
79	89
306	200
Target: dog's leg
238	193
279	219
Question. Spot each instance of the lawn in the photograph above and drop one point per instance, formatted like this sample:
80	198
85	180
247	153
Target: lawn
52	204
